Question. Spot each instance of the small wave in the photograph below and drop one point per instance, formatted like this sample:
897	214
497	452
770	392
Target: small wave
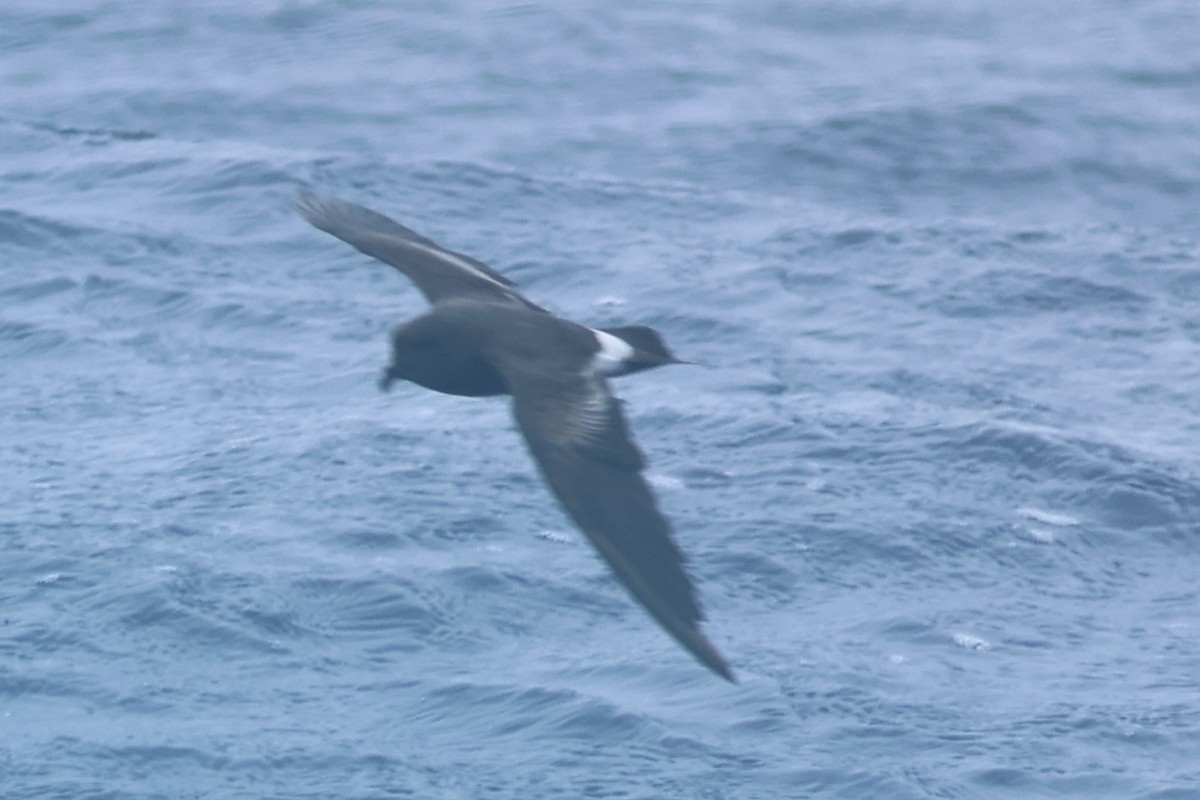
89	135
37	233
1116	486
36	290
24	339
1006	293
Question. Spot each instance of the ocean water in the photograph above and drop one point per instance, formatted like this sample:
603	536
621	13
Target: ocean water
936	467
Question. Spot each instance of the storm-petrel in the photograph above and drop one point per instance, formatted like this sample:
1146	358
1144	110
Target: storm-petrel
483	338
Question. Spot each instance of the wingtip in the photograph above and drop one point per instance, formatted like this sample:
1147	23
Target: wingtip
689	634
306	202
725	671
706	653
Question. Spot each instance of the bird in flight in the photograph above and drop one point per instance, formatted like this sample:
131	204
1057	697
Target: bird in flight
482	338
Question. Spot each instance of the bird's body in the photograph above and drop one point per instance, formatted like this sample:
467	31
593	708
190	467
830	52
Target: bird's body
446	349
483	338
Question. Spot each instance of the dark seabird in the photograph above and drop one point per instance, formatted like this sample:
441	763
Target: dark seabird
483	338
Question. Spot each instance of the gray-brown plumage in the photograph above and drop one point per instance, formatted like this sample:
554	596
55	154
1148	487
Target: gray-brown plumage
483	338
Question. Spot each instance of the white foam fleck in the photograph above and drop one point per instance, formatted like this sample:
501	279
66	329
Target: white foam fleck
1043	535
970	642
1048	517
665	483
558	537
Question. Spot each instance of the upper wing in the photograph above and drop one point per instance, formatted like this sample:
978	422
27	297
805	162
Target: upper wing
579	438
439	273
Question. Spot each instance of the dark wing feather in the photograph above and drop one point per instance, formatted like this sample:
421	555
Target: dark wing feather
439	273
578	436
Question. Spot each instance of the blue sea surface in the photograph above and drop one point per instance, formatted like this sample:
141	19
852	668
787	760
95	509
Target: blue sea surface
936	466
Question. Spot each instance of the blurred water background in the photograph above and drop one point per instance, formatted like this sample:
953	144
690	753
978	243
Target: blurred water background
936	471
